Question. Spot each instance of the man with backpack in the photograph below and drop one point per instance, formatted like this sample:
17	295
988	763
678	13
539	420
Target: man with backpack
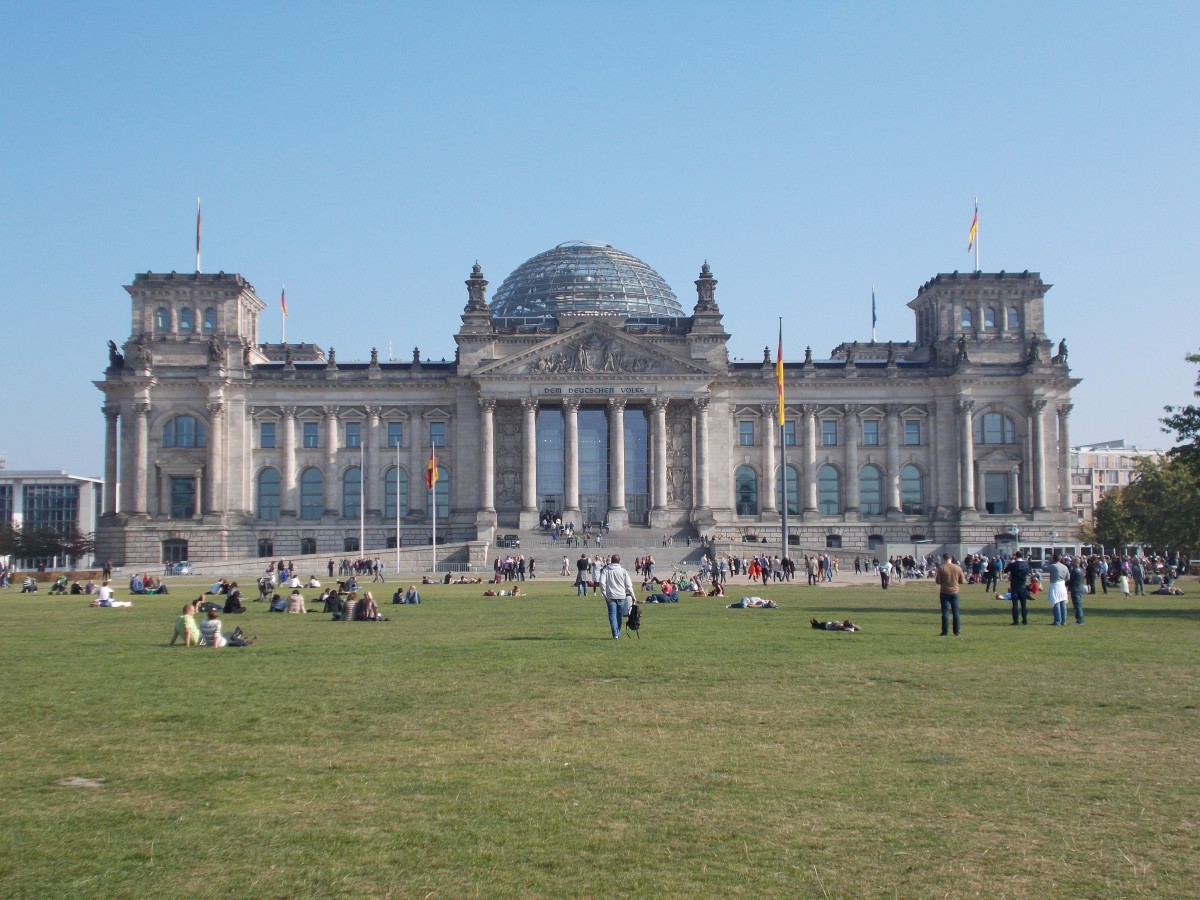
617	587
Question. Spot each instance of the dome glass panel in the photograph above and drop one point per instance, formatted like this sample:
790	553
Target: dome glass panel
585	278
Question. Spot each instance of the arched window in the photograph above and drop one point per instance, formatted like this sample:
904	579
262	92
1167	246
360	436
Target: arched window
989	318
829	490
183	431
966	317
351	493
995	428
210	319
912	491
395	478
793	490
441	490
187	320
1014	319
268	494
745	490
870	491
312	494
162	319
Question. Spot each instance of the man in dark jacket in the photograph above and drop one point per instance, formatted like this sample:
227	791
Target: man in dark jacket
1018	573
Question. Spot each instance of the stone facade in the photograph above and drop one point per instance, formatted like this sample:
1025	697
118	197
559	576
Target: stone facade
224	446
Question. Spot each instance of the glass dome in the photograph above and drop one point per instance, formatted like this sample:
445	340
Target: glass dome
588	278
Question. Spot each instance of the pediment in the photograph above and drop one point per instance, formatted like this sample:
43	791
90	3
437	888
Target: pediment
594	349
997	455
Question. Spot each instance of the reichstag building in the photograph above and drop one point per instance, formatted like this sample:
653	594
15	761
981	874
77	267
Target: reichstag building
586	389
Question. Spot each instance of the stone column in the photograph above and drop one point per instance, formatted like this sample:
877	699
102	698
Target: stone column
658	408
111	416
1038	433
290	499
810	458
700	414
216	459
966	450
1064	456
571	510
766	494
529	510
1014	489
891	479
618	515
332	482
853	501
141	450
487	450
198	510
372	446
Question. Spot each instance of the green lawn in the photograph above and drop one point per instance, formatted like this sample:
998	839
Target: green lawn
479	747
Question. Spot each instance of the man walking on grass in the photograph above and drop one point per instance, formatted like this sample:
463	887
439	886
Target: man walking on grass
950	581
617	587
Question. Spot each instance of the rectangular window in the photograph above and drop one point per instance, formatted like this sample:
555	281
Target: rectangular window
266	435
995	492
310	435
789	434
912	432
746	434
395	434
870	437
183	497
437	434
353	434
829	435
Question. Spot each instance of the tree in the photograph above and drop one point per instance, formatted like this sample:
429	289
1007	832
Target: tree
1185	422
1113	527
1163	501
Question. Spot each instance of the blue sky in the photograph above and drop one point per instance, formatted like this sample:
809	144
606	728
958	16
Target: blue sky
367	154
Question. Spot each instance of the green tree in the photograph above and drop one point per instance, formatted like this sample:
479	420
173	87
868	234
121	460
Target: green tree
1185	422
1112	526
1163	502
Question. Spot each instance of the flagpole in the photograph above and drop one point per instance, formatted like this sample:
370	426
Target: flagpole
197	234
433	490
977	269
283	317
783	468
362	506
397	508
873	316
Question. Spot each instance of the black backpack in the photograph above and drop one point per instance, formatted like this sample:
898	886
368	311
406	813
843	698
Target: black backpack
634	622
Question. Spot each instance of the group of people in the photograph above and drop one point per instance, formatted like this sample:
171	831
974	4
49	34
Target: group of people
208	633
513	568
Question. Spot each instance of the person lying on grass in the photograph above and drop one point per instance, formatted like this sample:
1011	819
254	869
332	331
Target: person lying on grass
753	603
835	626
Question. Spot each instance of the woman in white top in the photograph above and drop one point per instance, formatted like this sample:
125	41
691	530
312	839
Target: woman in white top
210	631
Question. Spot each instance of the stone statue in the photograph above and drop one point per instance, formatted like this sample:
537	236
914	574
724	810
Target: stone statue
961	356
1035	351
214	349
766	355
374	357
807	355
116	361
891	355
144	357
245	354
1062	351
289	358
332	357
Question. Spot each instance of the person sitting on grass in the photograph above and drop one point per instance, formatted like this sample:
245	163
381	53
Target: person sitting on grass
753	603
1167	588
835	626
233	600
210	634
28	586
368	609
718	589
59	586
219	587
76	588
277	604
295	602
186	628
332	601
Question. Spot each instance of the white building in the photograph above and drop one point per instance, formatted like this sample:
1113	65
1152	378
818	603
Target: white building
52	500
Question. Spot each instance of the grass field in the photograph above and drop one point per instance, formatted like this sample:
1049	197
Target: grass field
477	747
